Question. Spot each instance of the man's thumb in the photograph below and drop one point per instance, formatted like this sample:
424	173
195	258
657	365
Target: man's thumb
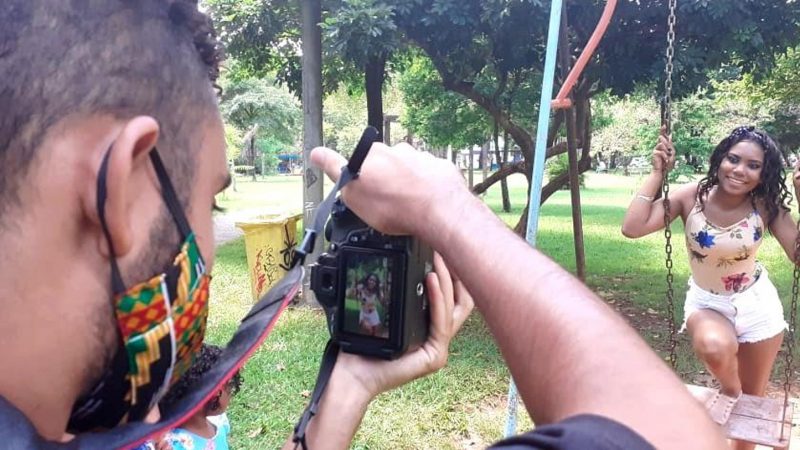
329	161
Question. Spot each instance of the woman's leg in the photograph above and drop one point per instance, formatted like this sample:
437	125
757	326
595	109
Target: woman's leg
755	366
714	342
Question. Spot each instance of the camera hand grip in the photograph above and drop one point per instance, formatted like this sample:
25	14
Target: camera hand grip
369	137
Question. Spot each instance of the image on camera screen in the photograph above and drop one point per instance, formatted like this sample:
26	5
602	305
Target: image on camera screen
368	295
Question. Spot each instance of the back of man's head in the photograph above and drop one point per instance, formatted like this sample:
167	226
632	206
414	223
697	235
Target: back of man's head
63	58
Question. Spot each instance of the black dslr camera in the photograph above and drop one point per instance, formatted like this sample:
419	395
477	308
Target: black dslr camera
372	287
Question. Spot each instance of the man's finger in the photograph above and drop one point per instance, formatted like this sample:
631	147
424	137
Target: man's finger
438	309
446	286
329	161
445	279
404	146
464	304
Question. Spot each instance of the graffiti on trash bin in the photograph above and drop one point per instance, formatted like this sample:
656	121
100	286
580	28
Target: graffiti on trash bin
288	249
266	267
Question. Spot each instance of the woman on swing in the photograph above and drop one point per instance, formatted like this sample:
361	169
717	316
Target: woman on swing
732	311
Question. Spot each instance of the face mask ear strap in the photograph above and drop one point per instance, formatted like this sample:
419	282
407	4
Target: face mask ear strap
170	197
117	284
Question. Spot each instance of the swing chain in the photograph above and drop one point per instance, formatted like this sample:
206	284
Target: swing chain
673	342
788	353
670	54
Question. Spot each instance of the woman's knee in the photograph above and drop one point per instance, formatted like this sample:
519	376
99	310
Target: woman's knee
714	347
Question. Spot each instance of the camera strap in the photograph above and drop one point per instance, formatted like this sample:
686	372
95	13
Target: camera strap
349	172
324	375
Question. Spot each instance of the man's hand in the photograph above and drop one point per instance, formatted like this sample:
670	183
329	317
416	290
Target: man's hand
356	380
450	305
400	190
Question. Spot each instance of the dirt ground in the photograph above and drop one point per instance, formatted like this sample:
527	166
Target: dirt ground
653	327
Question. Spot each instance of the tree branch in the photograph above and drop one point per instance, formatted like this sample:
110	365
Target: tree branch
501	86
467	89
551	188
515	167
554	127
503	172
522	137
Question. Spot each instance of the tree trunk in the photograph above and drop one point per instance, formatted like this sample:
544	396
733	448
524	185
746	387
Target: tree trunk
250	148
504	182
501	161
523	138
485	159
252	153
312	125
374	75
584	108
572	153
471	168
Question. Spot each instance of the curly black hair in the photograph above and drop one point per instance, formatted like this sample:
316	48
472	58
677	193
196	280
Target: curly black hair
772	189
121	58
208	357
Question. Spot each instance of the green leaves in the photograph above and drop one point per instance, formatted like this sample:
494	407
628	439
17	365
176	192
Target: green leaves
233	141
274	110
442	118
361	28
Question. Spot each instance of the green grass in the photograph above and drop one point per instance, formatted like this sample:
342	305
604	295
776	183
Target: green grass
464	404
278	192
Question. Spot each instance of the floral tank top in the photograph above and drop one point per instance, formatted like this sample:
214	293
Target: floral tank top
723	259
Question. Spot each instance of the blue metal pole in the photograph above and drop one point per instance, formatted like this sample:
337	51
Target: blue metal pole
538	168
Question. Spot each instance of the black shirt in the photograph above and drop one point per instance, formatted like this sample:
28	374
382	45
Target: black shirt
583	432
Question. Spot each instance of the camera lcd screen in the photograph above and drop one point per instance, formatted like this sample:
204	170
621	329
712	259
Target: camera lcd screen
367	299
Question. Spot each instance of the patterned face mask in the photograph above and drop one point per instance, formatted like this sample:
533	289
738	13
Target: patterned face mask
161	324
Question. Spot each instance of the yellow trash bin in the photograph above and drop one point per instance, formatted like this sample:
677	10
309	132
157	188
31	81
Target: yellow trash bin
269	241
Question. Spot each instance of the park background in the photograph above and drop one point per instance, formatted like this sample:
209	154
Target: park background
461	80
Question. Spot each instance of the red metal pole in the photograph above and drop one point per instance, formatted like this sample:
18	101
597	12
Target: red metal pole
562	100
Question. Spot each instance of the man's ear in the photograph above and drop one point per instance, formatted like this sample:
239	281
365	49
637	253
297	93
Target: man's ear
128	153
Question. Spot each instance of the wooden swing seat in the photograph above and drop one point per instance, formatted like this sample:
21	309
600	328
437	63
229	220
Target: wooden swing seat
754	419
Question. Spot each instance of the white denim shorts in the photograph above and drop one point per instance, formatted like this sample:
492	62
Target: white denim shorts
756	313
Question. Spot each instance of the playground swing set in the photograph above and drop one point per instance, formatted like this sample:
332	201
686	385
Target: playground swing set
759	420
